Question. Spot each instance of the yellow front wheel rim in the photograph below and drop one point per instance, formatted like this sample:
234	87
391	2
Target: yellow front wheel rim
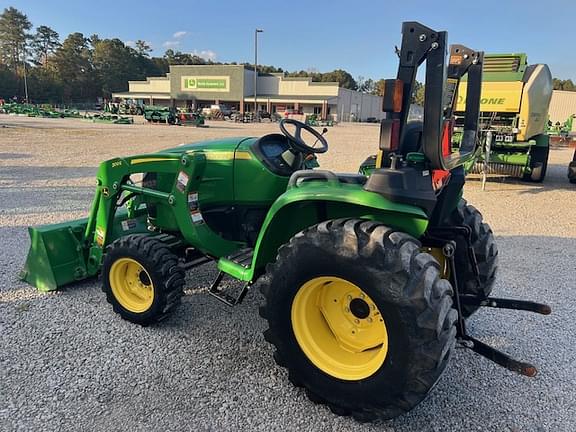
131	285
339	328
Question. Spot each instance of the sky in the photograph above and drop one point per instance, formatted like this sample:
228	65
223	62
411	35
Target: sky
320	35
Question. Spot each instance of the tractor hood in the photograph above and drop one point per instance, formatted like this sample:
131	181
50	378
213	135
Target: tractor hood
224	144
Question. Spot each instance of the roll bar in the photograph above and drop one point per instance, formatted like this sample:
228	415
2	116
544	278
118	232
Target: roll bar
419	44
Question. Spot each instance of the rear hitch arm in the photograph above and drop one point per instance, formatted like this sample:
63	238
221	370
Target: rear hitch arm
474	344
498	357
501	303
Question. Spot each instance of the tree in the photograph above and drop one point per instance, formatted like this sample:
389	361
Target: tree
417	96
14	26
44	43
343	78
379	87
262	69
566	85
94	39
115	64
9	83
160	65
73	62
44	85
180	58
142	48
366	85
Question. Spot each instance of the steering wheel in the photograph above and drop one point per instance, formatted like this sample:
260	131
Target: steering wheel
296	140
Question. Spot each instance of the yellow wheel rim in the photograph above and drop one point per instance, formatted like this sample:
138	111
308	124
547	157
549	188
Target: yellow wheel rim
131	285
339	328
439	256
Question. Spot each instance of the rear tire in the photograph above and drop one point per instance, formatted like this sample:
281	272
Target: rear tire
391	284
142	279
486	253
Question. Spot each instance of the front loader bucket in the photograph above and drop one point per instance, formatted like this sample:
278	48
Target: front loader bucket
56	255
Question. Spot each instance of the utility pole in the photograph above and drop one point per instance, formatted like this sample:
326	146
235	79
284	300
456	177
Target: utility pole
256	72
25	78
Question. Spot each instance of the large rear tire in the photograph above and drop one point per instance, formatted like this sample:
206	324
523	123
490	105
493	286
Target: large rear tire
359	317
486	253
142	279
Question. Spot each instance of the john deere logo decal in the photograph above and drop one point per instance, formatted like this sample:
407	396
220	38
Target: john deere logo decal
218	84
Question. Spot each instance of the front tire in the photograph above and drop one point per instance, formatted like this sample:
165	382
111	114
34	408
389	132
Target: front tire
360	317
142	279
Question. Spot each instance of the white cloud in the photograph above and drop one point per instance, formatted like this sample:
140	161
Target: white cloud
171	44
205	54
179	34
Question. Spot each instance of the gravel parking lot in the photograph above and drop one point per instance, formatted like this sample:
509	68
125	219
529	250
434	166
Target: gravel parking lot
67	362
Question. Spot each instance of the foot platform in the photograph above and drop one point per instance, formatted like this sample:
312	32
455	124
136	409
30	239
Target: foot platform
225	297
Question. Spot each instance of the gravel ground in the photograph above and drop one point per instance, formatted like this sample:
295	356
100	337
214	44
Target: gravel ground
67	362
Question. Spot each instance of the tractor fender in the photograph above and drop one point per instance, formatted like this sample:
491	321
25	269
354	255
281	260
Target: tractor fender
316	201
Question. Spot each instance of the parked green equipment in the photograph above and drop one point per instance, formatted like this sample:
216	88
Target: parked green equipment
32	110
561	131
160	114
191	119
314	120
367	280
130	107
110	119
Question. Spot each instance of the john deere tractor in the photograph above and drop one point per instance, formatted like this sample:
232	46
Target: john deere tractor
367	281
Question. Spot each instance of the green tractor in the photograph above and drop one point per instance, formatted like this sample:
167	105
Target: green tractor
367	281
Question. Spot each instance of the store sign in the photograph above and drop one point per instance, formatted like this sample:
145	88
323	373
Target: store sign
206	83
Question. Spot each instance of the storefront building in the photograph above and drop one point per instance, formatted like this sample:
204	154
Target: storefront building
232	86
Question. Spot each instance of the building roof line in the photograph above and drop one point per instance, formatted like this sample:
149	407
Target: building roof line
148	79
